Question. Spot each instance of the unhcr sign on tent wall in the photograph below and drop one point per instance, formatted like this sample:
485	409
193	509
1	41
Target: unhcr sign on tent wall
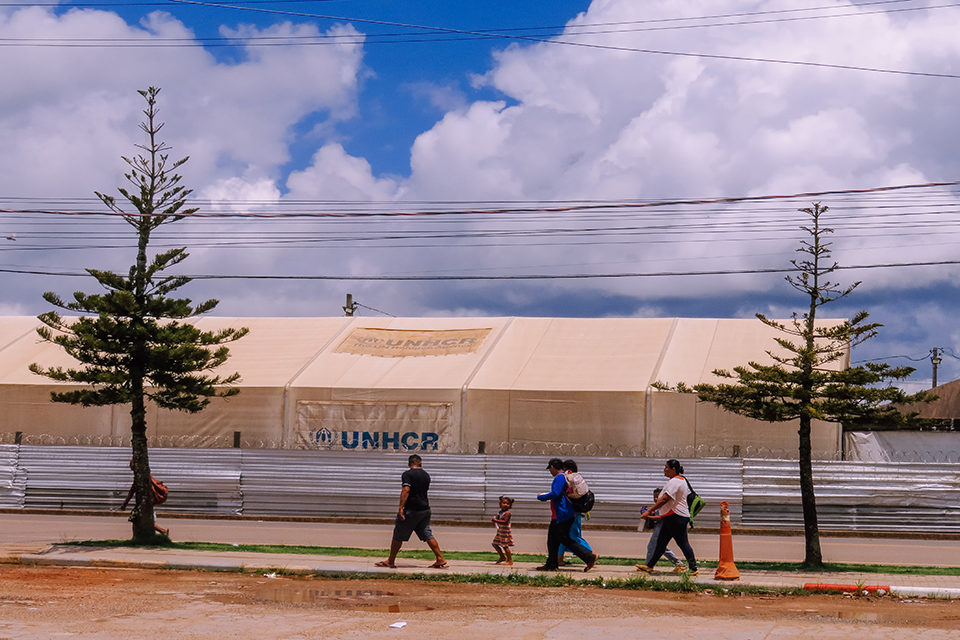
429	426
442	385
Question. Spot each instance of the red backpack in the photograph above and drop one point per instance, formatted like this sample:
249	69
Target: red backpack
160	491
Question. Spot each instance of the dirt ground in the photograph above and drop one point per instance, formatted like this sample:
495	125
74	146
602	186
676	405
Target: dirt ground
56	602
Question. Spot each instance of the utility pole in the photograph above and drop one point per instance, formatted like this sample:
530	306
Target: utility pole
351	306
935	360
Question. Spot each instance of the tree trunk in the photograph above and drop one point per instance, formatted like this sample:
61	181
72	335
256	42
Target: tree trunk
142	515
812	559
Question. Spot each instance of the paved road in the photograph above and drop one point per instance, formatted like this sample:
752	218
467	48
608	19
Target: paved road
25	528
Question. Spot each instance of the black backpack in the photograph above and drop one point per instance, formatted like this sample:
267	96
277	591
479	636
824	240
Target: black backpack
584	503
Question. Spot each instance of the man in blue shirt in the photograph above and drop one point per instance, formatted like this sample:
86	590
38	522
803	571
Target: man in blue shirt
561	519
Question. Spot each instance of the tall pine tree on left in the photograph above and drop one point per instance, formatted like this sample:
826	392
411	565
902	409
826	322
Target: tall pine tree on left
132	343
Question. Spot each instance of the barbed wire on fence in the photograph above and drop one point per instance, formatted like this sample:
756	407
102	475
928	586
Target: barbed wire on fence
561	449
531	448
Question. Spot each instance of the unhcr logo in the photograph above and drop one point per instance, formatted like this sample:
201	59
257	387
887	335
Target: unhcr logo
324	438
396	343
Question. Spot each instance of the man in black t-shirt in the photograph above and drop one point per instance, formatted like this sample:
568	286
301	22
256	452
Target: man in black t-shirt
413	515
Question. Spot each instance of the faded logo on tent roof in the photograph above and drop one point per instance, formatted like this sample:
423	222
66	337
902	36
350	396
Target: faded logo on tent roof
396	343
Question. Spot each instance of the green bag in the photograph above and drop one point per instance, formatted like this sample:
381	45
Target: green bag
695	502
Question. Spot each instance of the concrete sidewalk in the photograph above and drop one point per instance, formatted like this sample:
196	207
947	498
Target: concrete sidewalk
129	557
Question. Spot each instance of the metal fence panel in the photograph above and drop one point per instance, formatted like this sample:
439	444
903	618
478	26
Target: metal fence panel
13	478
862	496
866	496
75	477
349	484
621	485
200	481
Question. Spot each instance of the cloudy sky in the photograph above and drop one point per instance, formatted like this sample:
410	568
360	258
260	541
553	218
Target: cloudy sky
499	158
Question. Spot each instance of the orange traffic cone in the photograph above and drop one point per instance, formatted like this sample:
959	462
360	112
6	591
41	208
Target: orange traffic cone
726	569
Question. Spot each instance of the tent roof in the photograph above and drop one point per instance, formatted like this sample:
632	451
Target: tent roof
586	354
336	368
947	404
504	353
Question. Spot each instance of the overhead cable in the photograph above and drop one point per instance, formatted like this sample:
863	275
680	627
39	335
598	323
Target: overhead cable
568	30
557	41
542	276
524	209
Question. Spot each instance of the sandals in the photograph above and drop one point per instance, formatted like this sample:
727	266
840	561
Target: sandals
592	563
387	565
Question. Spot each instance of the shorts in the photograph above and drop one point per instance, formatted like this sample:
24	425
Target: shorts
413	521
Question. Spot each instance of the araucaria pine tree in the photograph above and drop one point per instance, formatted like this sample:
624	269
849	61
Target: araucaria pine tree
133	346
805	382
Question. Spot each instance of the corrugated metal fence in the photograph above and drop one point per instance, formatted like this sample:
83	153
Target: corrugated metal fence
870	496
13	479
762	493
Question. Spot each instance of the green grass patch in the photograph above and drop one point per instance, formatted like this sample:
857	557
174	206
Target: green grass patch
488	556
640	583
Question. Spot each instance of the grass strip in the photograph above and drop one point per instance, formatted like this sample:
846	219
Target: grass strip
485	556
641	583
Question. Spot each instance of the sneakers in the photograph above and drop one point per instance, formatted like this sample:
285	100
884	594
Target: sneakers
545	567
679	568
643	568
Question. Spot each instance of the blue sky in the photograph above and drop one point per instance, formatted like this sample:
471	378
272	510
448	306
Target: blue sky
408	84
612	103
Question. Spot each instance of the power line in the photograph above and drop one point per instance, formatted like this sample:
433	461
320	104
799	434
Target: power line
357	304
556	41
911	358
516	209
890	193
432	278
883	217
577	29
460	33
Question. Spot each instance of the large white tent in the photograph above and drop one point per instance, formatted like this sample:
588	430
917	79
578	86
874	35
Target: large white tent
945	407
438	384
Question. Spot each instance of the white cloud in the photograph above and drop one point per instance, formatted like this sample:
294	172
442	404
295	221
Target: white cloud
570	123
442	97
66	115
237	194
335	175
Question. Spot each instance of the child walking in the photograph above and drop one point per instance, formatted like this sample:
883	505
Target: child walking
656	522
504	538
